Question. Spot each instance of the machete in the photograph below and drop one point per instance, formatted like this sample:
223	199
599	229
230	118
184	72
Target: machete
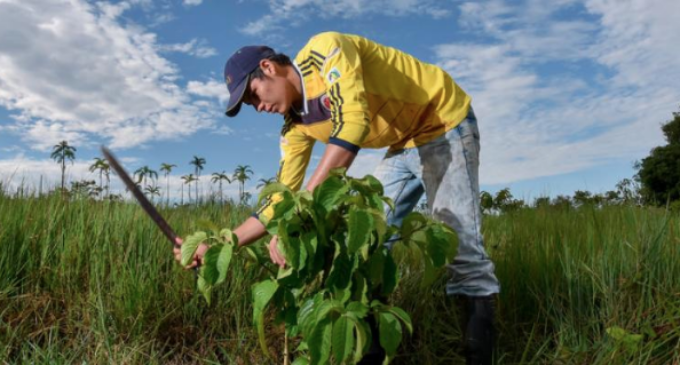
143	201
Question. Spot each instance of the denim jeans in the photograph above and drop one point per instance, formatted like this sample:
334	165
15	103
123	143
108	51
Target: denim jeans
446	169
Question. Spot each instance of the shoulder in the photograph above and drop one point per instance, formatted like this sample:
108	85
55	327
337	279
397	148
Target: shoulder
322	42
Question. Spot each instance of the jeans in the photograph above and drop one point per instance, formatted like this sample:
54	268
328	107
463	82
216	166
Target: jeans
446	169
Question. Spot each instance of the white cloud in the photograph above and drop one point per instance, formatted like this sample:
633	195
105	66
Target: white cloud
223	130
195	47
74	71
209	89
192	2
534	123
294	12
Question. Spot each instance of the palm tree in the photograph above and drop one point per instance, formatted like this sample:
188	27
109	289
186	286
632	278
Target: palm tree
61	152
143	172
241	174
198	162
167	169
264	182
246	197
152	190
101	165
219	177
188	179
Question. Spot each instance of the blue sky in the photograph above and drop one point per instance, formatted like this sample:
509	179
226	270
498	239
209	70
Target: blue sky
567	95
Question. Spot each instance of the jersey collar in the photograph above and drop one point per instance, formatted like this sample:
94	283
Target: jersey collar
305	109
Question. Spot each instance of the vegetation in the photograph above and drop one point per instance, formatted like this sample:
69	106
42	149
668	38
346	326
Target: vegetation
340	271
660	171
586	279
85	280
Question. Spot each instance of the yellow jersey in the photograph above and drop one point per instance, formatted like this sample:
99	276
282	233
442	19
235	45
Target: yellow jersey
361	94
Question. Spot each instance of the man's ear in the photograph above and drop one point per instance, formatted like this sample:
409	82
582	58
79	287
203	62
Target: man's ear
268	67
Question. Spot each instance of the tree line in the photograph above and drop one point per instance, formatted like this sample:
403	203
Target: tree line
655	183
147	179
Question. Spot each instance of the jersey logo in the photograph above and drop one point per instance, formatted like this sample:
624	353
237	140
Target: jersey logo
333	75
326	102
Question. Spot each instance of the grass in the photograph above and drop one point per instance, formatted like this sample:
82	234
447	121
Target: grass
95	282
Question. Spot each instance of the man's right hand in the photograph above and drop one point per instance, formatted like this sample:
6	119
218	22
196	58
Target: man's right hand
274	253
198	256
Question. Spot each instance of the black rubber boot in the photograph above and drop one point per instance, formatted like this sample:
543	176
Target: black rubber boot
376	354
477	320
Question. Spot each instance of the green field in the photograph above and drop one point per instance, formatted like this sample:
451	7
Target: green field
95	282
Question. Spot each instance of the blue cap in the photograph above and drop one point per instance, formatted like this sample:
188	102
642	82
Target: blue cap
237	73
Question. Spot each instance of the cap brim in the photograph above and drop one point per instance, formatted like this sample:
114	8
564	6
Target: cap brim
236	98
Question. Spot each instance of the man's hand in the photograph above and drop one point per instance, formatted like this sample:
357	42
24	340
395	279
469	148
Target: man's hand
274	253
198	256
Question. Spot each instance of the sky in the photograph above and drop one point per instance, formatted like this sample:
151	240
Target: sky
568	93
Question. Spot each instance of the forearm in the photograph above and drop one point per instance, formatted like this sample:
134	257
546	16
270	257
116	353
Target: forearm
335	156
250	231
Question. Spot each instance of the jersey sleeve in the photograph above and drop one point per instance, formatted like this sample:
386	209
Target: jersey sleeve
343	77
296	150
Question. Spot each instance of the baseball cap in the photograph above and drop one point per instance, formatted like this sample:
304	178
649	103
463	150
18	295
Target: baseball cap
237	73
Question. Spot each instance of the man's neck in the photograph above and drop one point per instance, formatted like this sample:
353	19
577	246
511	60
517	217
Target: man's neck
296	80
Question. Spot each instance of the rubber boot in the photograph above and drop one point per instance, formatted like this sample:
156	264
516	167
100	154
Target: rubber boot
477	320
376	354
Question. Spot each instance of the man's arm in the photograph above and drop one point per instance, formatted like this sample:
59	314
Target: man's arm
335	156
250	231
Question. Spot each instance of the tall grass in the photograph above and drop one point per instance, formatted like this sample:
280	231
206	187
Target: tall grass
91	281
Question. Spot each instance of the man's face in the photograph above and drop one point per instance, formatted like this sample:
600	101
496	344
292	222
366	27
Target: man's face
270	94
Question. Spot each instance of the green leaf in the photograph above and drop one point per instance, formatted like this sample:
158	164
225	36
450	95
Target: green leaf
229	236
301	361
289	246
358	309
204	288
310	243
341	273
379	224
326	308
223	261
375	201
209	270
403	316
284	208
342	339
262	294
390	276
438	245
388	201
430	274
376	266
414	221
390	333
374	184
320	342
327	194
338	171
363	332
359	228
190	245
307	314
269	189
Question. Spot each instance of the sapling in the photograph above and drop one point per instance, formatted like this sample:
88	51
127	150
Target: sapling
339	269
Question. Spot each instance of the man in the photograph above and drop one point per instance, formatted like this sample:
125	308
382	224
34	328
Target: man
351	93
